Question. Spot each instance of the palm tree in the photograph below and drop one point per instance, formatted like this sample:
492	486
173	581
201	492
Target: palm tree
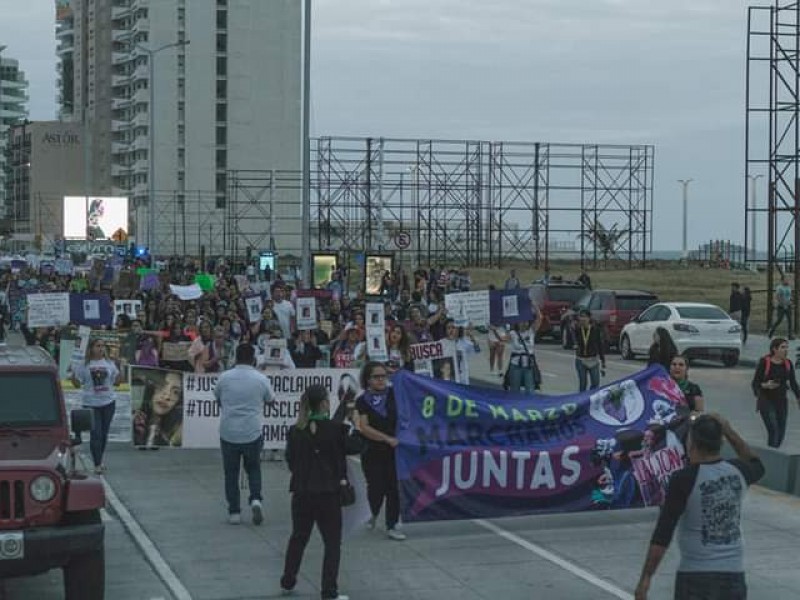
605	240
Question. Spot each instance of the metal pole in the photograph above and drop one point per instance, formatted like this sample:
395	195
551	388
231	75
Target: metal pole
306	200
685	183
754	214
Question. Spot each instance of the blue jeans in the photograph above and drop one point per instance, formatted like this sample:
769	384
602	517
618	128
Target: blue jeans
101	425
774	416
233	455
593	375
710	586
519	377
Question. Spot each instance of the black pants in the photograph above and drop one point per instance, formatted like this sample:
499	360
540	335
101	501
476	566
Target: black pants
233	456
710	586
380	471
780	312
773	413
101	425
744	323
326	511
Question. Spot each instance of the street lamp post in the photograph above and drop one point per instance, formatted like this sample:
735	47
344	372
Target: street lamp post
151	152
754	214
685	183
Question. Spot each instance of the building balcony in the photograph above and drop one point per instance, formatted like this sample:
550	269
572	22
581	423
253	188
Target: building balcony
120	147
140	143
120	58
121	35
118	125
141	72
120	9
141	119
141	96
141	25
120	170
64	30
120	103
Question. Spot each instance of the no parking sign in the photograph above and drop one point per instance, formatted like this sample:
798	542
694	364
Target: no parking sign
402	240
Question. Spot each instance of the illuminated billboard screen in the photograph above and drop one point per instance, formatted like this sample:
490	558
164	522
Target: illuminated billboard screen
95	218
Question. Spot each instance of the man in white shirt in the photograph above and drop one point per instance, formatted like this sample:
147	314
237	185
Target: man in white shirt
242	393
283	310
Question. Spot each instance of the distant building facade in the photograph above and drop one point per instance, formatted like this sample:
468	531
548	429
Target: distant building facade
13	110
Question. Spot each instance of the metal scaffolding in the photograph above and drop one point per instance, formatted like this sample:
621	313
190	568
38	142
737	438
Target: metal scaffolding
772	139
483	203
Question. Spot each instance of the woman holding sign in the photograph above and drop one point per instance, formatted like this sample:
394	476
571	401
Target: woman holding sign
522	366
377	417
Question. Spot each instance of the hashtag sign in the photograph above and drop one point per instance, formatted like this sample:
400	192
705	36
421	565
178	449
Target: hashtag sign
190	384
190	408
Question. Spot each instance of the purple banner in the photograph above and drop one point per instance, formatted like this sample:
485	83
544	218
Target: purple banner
467	452
512	306
94	310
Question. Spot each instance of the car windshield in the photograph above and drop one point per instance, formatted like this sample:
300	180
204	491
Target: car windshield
634	302
702	312
28	399
567	294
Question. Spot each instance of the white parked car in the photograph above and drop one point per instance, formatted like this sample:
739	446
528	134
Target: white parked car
697	330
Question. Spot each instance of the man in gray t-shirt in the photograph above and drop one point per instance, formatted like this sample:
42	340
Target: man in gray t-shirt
704	502
242	393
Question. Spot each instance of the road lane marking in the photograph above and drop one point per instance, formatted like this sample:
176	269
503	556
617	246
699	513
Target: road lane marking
145	544
572	568
104	516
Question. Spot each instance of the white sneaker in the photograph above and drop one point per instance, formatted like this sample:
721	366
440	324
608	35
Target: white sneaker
394	534
258	512
234	519
371	523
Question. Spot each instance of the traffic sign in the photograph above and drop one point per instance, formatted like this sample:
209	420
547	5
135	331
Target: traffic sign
402	240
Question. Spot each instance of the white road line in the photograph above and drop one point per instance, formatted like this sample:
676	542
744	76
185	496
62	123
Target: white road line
556	560
104	516
151	553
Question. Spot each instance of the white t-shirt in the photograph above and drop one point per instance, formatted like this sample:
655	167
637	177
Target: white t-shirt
284	311
464	349
517	348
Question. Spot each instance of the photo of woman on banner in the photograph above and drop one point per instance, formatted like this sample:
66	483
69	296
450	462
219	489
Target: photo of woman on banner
444	368
616	486
157	404
347	393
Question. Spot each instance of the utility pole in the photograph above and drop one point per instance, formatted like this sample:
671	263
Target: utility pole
306	160
754	214
685	183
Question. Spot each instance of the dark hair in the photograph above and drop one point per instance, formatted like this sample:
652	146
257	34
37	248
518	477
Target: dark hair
366	373
706	434
172	422
245	354
775	343
666	347
310	402
585	312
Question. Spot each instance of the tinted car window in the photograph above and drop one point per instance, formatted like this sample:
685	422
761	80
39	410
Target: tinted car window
635	303
702	312
28	399
649	314
662	314
565	294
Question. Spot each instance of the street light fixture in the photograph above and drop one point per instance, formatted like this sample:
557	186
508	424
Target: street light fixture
151	153
685	183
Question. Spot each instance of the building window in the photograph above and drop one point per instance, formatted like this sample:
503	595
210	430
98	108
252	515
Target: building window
222	112
222	136
222	159
222	66
181	15
222	42
222	2
222	19
222	89
181	36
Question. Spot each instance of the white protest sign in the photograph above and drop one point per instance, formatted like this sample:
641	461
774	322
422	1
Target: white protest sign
91	310
510	306
375	315
186	292
468	308
376	332
81	344
129	308
201	413
271	352
48	310
254	308
436	360
306	313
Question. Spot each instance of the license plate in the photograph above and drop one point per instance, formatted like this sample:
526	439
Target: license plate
12	546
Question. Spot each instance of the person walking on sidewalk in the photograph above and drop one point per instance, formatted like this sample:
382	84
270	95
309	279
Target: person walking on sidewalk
783	308
773	377
736	303
97	377
590	357
242	393
377	417
315	453
747	300
704	502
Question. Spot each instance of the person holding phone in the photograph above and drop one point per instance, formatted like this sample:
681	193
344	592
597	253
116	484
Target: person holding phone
773	377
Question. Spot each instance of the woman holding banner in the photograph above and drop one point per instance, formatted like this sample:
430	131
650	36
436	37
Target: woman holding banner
97	376
377	417
522	368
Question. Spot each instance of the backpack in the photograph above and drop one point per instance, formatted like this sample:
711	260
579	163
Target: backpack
768	365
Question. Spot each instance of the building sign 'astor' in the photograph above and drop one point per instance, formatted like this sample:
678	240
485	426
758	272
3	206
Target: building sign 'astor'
63	138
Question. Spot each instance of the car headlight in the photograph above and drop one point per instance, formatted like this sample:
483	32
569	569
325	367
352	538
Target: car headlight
735	329
43	488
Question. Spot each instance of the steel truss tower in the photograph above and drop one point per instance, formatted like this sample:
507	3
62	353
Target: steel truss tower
772	138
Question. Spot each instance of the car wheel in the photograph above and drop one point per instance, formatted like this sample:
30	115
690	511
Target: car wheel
625	348
730	358
566	338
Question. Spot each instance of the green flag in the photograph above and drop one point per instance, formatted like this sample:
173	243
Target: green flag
205	281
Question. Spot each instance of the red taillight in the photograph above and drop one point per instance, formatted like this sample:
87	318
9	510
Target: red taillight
612	318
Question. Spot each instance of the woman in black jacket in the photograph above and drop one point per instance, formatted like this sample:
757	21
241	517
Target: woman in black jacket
662	350
773	377
315	453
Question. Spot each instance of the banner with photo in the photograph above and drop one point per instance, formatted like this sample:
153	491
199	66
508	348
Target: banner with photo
468	452
201	412
156	407
438	360
469	308
94	310
306	313
255	306
376	332
129	308
510	306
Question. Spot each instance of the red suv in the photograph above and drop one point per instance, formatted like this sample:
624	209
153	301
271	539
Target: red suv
611	310
553	299
49	512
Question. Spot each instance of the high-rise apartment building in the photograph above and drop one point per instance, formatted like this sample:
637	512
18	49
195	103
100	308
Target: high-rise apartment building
65	36
226	96
13	109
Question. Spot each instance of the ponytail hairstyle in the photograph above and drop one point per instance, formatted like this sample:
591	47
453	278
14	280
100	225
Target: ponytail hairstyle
310	402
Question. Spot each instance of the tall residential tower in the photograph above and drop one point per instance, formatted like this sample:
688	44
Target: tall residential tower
13	110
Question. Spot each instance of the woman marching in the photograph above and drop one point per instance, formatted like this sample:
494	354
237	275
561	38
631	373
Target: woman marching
522	368
377	413
590	359
679	371
315	453
774	375
97	376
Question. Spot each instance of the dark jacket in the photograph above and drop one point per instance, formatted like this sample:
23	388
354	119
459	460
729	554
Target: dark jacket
736	302
783	374
307	359
593	346
317	460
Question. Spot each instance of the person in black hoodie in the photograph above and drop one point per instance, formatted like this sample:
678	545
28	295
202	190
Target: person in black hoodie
590	358
315	453
663	349
773	377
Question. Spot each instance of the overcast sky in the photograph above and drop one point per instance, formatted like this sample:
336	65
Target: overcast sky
667	73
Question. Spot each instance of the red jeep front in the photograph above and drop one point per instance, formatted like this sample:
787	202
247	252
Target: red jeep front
49	512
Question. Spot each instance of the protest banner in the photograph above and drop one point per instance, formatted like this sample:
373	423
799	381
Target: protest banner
376	332
156	408
94	310
306	313
254	308
48	310
186	292
510	306
175	351
129	308
436	359
469	308
149	282
201	412
468	452
271	352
